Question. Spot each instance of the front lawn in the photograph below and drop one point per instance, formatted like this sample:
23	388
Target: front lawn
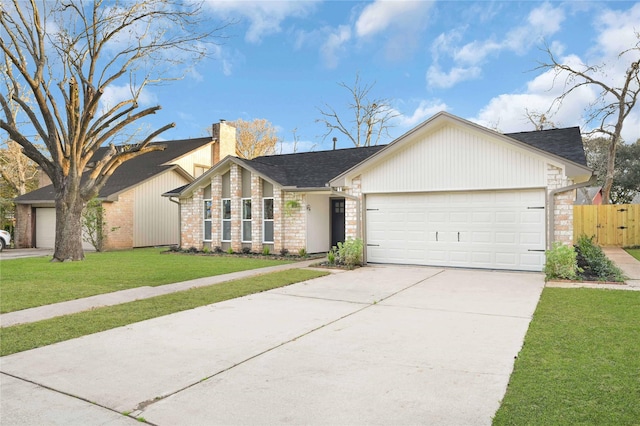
634	252
23	337
579	363
25	283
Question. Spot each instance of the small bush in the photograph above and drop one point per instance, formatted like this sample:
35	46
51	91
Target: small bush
192	250
350	252
596	262
246	250
561	263
218	250
302	252
229	250
284	252
206	250
266	251
331	256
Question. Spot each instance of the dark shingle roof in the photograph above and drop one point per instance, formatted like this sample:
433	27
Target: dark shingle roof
565	143
131	172
310	169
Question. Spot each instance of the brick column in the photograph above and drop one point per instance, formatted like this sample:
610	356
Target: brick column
278	220
236	208
192	215
351	212
295	223
216	211
563	205
256	213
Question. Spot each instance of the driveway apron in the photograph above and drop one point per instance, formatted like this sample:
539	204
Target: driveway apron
378	345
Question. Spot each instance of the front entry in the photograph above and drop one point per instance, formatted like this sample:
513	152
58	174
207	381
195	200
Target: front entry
337	221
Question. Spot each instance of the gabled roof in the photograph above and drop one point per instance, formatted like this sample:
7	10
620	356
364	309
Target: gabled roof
565	143
131	173
561	145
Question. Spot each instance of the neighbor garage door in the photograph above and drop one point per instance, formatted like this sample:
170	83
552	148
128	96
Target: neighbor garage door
479	229
46	229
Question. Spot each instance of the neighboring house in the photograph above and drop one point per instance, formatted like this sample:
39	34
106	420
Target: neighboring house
591	195
136	214
447	193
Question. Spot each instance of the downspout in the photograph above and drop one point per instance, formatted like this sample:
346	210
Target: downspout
552	206
179	220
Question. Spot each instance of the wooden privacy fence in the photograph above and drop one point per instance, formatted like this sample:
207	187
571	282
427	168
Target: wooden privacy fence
612	225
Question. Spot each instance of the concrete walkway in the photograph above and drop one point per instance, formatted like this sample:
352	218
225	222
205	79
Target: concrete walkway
380	345
109	299
629	264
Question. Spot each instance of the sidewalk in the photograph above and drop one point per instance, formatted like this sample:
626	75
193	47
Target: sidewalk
109	299
629	264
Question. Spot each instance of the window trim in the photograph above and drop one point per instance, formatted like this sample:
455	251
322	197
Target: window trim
223	220
205	220
243	220
265	220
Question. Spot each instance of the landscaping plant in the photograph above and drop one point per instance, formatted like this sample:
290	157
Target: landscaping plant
561	263
350	252
595	263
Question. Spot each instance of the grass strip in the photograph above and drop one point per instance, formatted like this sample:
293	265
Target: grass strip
23	337
31	282
634	252
579	363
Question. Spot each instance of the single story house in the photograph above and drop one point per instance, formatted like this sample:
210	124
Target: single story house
447	193
132	198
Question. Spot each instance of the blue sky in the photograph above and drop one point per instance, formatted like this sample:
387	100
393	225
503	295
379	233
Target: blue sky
283	60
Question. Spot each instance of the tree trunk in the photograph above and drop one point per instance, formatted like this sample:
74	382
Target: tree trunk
68	244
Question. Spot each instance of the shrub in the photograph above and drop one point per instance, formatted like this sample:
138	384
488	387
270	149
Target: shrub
302	252
350	252
230	250
596	262
266	251
284	252
218	250
192	249
561	263
331	256
206	250
246	250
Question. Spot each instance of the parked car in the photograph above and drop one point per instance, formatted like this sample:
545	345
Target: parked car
5	239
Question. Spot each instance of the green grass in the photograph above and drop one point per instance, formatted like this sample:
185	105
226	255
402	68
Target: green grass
23	337
26	283
634	252
580	363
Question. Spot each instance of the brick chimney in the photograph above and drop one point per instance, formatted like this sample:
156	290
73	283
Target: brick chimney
225	136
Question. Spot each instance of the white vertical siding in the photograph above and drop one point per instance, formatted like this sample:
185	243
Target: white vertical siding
318	223
201	157
453	158
155	218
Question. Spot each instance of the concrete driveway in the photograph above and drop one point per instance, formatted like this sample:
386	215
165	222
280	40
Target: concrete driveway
378	345
7	254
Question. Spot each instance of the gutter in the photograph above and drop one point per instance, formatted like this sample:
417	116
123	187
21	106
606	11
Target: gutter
179	220
552	205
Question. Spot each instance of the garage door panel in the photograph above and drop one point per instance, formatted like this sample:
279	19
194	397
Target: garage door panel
488	229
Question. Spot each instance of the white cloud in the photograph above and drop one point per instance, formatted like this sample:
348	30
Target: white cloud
264	17
114	94
424	110
541	22
380	15
334	44
617	30
437	78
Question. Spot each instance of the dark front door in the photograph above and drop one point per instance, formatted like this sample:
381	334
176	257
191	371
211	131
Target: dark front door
337	221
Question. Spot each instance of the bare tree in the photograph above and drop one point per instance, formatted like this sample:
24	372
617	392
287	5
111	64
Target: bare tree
611	107
371	116
65	55
255	138
540	120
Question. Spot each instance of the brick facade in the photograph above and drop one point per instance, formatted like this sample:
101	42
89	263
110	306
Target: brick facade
119	217
289	224
563	206
23	233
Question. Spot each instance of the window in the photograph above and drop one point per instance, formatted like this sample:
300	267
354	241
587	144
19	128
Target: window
267	220
246	220
207	220
226	219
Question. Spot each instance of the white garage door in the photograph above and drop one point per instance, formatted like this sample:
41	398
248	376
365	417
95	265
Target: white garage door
46	229
479	229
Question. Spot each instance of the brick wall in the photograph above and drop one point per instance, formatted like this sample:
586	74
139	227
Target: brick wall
23	232
191	223
216	211
119	215
256	213
352	213
563	205
295	223
236	208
